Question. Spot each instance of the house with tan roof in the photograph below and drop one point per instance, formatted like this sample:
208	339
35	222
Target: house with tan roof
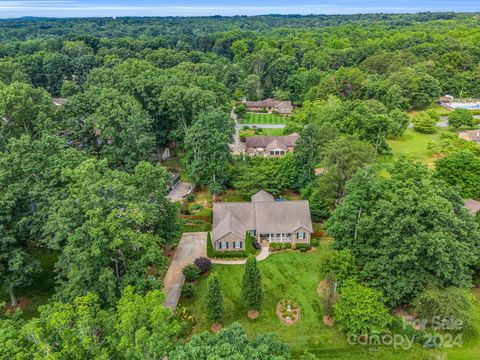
264	217
270	145
270	105
470	135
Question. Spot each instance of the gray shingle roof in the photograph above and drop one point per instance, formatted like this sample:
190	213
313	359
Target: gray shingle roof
264	141
262	196
263	214
472	205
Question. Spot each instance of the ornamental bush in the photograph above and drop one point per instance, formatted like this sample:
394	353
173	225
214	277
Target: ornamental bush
204	264
448	304
214	301
191	272
361	311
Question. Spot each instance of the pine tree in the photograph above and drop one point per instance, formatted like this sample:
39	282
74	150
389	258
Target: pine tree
214	302
252	292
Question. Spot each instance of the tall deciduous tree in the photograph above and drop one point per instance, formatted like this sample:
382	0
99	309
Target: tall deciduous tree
207	158
25	110
461	169
461	117
231	343
406	230
110	126
214	301
30	179
252	291
111	226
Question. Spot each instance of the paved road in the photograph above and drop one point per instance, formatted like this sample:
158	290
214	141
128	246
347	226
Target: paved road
180	191
444	121
191	246
263	126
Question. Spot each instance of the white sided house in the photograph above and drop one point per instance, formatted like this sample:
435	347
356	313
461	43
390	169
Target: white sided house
265	218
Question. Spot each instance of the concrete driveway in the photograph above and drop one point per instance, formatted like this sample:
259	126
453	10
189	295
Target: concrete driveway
180	192
191	246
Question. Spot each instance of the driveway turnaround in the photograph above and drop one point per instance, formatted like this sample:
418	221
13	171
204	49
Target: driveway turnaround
180	192
191	246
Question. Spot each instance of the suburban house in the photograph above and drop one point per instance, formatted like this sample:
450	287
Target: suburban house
271	145
472	205
470	135
267	219
270	105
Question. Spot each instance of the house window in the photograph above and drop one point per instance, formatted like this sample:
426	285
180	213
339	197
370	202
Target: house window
223	245
253	232
301	236
237	245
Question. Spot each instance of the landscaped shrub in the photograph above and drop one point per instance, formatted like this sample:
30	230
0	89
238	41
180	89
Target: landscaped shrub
204	264
278	246
188	291
303	247
245	127
314	242
448	303
257	245
342	264
249	249
191	272
361	311
191	197
196	207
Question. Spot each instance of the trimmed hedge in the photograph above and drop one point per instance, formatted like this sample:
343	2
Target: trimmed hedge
303	247
278	246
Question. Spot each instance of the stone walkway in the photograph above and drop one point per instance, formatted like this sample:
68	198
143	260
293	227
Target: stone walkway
264	252
190	247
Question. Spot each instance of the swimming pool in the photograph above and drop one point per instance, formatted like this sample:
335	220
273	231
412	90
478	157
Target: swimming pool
465	105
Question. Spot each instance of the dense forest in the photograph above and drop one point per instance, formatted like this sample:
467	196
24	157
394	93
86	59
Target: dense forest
84	180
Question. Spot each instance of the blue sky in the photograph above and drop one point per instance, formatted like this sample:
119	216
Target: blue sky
88	8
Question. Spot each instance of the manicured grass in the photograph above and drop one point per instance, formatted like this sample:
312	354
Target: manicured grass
264	132
414	145
440	110
42	286
261	118
294	275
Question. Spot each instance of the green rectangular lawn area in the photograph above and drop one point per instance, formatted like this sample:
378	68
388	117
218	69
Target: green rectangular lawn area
414	145
260	118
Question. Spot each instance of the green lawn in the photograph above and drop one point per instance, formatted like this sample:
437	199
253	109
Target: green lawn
413	145
260	118
42	286
296	275
264	132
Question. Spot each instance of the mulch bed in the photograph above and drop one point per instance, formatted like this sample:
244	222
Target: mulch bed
322	288
328	320
253	314
22	303
287	321
216	327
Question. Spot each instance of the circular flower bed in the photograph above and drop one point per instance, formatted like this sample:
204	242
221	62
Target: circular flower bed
288	311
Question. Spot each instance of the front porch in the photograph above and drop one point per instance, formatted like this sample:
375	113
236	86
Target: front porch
270	238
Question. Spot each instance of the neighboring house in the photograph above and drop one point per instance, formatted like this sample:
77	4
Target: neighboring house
472	205
265	218
470	135
270	105
270	145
